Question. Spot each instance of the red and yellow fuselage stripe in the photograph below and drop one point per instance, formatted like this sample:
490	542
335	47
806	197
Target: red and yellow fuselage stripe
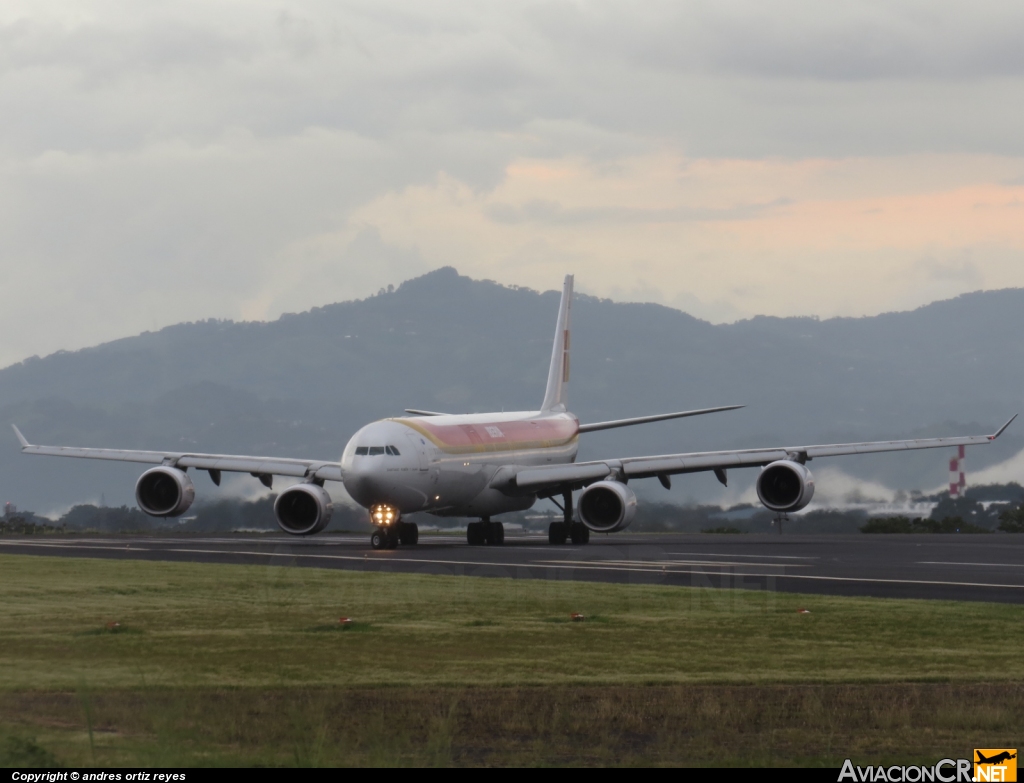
497	436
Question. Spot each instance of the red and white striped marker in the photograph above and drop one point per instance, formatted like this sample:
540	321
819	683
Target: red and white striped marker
957	477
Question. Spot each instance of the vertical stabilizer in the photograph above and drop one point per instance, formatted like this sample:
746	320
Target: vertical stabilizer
556	394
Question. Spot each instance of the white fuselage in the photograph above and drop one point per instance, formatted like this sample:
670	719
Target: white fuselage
445	465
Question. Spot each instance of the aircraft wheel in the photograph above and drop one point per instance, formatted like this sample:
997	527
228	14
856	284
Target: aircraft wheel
392	539
557	533
495	533
475	533
408	533
377	539
580	533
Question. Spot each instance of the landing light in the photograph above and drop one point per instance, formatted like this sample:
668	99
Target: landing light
383	514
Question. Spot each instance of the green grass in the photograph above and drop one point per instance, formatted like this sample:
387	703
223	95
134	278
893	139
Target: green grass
247	664
184	624
677	724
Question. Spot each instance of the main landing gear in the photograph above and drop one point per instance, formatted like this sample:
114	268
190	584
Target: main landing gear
567	529
404	533
485	532
779	519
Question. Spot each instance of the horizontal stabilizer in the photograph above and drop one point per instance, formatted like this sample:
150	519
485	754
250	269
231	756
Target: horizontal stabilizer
608	425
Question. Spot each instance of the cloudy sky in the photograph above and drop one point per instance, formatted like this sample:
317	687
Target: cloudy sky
174	160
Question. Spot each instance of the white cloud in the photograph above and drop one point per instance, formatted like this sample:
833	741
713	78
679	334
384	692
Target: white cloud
1002	473
183	160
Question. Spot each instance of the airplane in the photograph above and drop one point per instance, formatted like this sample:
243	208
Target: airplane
996	759
481	465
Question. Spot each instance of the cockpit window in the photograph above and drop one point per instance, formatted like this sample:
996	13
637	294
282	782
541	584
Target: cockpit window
373	451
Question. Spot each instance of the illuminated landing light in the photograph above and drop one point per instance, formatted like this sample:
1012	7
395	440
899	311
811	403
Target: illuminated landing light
437	497
383	514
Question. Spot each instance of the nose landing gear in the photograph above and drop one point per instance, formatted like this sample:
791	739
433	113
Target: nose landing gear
384	538
404	533
389	531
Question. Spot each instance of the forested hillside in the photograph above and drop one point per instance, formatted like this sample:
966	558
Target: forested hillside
301	385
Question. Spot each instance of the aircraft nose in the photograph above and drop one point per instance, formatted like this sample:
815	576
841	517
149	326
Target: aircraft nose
362	481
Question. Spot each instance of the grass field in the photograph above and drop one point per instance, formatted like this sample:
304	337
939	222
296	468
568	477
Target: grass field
133	662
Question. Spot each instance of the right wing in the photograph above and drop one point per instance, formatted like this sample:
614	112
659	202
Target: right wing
257	466
556	478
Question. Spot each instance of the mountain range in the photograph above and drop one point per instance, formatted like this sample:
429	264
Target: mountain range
303	384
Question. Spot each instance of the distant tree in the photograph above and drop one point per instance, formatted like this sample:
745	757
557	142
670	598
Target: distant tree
668	517
889	525
722	530
953	525
919	525
20	524
225	516
108	519
1012	520
826	520
968	509
1007	493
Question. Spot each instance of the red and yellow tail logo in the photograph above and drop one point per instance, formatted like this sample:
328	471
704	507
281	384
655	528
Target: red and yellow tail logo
995	764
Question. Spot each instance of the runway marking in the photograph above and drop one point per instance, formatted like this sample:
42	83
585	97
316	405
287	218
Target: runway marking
799	576
771	557
575	565
590	566
76	545
627	569
664	563
988	565
366	558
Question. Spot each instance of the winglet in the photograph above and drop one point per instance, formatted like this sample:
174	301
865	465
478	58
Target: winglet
1000	430
24	442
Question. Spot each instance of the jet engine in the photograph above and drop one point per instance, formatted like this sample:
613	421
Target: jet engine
606	506
785	486
164	492
303	510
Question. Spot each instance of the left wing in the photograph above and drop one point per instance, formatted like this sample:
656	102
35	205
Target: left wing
257	466
559	477
609	425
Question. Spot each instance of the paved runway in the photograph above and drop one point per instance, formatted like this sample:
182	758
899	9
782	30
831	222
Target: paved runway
958	567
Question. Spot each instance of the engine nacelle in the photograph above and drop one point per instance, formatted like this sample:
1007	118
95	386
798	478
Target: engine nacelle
164	492
606	506
785	486
303	510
